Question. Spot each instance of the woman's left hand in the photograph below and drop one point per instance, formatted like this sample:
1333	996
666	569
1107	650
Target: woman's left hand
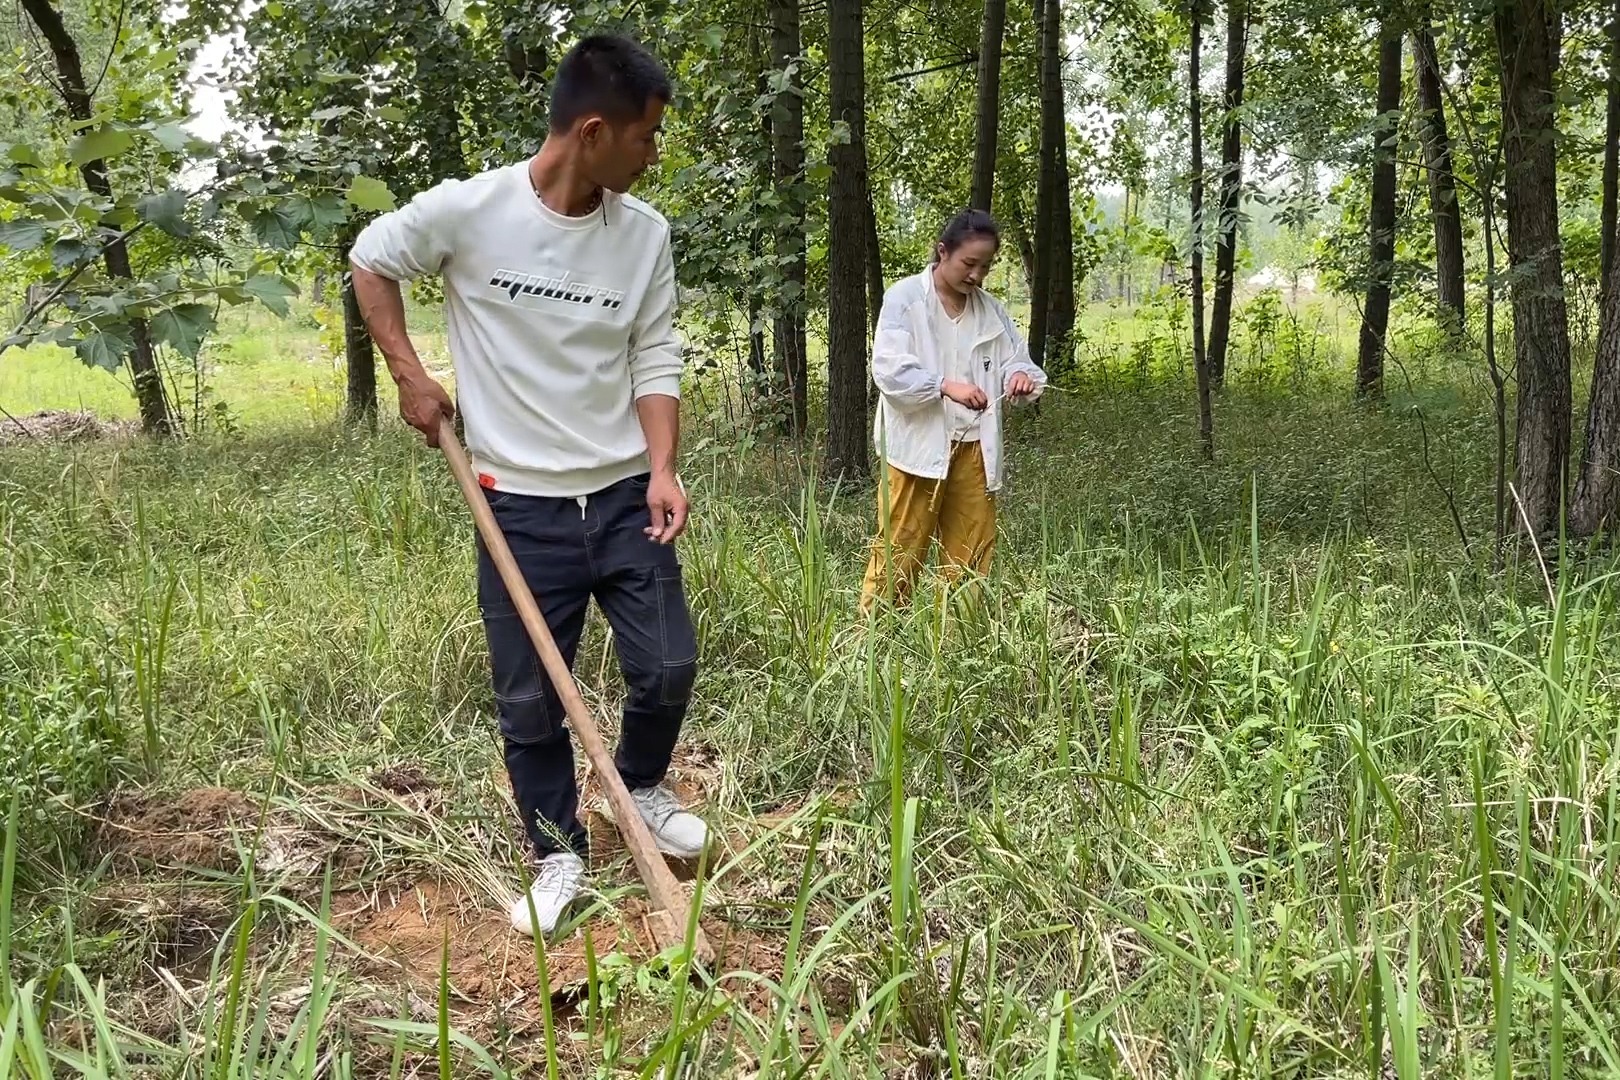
1020	385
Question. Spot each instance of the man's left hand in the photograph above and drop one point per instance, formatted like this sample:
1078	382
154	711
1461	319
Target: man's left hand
1020	385
666	502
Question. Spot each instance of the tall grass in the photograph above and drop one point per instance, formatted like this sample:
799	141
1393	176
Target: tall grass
1239	771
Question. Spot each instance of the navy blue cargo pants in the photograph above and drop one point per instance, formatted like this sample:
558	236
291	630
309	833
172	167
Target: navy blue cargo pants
570	550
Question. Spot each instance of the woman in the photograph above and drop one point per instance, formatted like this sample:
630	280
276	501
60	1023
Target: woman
945	358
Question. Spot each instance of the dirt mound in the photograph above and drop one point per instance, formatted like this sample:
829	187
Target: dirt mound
408	779
57	425
196	828
207	828
406	927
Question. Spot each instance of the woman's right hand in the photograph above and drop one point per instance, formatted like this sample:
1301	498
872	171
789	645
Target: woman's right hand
965	394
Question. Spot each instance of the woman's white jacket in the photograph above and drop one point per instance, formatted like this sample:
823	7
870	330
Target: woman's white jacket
908	366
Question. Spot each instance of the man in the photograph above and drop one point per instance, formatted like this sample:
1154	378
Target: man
560	295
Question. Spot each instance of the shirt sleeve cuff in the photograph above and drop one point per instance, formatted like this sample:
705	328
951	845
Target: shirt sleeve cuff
667	385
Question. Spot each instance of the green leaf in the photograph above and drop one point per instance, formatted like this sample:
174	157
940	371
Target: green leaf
68	253
370	194
166	210
330	114
99	145
277	227
22	234
328	210
184	327
107	348
271	290
23	154
172	137
392	113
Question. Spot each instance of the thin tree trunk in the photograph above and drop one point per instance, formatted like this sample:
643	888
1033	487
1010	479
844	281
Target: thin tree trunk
987	124
1195	113
847	210
874	273
359	355
1448	237
787	152
1595	503
1611	158
1381	219
1052	302
1540	315
148	381
1226	235
874	257
1596	500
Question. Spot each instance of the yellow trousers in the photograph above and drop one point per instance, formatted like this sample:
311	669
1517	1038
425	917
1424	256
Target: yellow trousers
957	508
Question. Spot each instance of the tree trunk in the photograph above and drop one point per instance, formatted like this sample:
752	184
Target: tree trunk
1195	115
847	209
1595	503
874	274
1448	237
1052	299
1381	219
359	356
1226	235
987	125
787	153
1540	317
1611	158
874	250
144	375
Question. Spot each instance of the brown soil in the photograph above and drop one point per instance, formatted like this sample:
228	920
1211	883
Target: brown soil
405	929
194	829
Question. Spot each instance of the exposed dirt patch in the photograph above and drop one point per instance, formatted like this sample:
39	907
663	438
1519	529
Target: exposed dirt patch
490	965
57	426
206	829
408	779
196	828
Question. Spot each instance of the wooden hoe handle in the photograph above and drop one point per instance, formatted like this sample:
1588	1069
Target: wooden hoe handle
672	910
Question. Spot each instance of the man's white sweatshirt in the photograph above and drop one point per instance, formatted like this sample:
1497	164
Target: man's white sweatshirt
557	325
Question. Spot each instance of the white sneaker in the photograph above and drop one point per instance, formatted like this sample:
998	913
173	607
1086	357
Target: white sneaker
675	831
556	884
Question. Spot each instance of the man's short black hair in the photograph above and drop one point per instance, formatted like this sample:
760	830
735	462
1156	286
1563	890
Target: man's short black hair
608	75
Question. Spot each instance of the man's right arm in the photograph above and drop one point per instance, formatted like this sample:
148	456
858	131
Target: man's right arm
400	246
423	403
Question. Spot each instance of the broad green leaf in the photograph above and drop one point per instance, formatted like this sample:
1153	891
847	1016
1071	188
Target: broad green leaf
277	227
392	113
184	327
370	194
330	114
100	144
172	137
107	348
22	234
166	210
271	290
328	210
23	154
68	252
